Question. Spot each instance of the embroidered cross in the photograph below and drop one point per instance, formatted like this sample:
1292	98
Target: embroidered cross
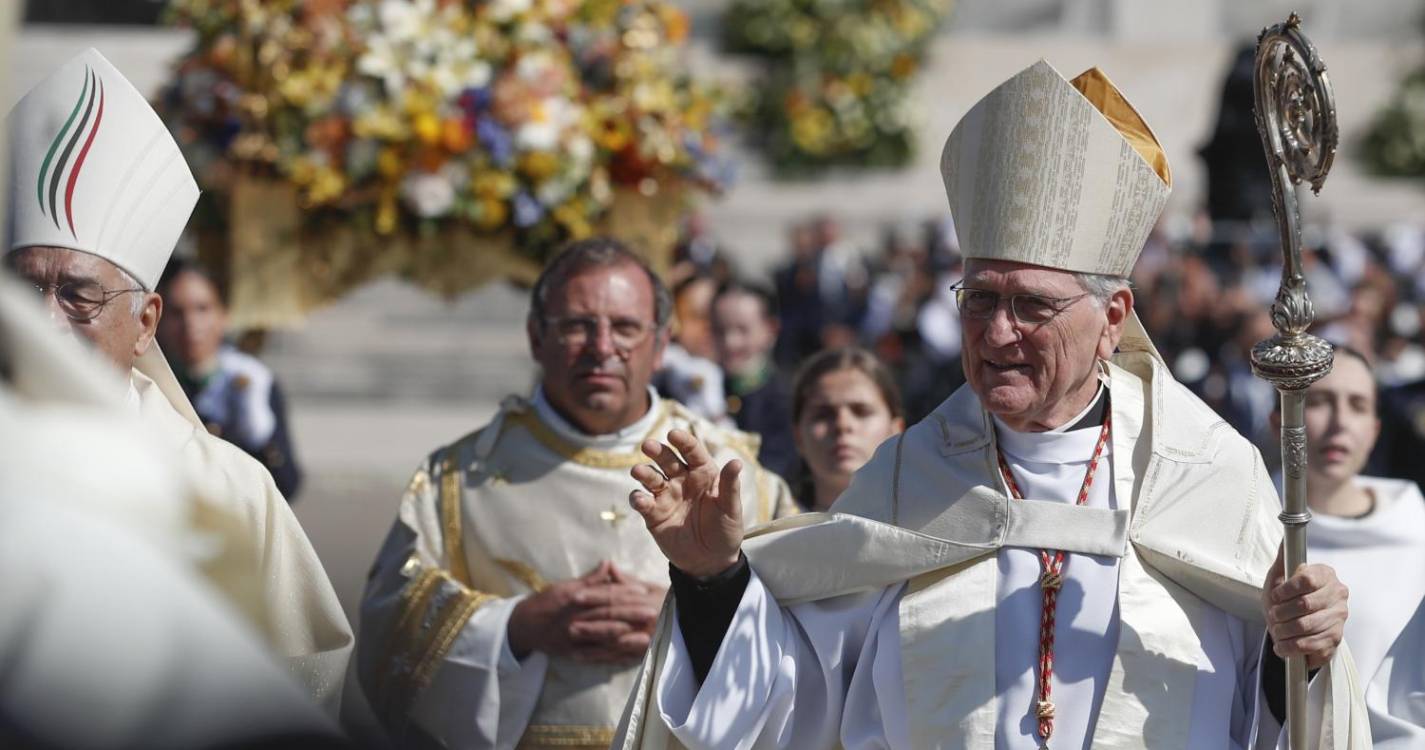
614	515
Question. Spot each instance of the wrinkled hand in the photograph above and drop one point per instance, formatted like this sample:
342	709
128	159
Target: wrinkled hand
604	616
693	510
1306	614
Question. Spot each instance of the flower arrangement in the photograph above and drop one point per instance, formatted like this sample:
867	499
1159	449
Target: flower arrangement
1395	143
839	73
506	126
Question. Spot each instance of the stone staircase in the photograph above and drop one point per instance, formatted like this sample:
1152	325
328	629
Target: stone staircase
393	342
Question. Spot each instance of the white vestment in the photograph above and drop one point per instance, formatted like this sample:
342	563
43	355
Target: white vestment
1381	558
526	501
109	635
267	568
926	549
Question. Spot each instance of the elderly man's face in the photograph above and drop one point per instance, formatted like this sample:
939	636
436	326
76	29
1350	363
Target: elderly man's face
599	347
94	287
1037	377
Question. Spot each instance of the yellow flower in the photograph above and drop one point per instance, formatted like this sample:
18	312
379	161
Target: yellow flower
427	127
860	83
539	165
389	163
492	214
571	215
327	186
387	212
492	184
381	122
811	130
303	171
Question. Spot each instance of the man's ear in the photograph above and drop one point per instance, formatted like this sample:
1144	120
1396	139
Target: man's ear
1116	310
148	316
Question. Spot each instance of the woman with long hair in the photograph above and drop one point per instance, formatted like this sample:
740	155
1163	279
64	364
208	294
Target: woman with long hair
845	403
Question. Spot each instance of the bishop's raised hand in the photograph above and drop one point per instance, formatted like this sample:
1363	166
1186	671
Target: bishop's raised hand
692	508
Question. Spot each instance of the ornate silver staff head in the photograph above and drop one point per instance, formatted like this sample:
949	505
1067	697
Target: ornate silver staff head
1296	117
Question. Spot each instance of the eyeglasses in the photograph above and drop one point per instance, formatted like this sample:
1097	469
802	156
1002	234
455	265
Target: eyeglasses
578	330
82	301
1030	309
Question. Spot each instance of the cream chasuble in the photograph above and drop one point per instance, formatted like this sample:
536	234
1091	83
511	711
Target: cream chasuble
1381	557
266	566
879	625
109	634
489	519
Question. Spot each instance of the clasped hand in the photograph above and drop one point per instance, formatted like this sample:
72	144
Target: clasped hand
604	617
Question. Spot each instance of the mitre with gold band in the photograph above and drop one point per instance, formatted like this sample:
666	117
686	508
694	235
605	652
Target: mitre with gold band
1057	173
94	169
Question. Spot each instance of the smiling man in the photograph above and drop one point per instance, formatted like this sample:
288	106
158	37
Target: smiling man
516	592
1070	552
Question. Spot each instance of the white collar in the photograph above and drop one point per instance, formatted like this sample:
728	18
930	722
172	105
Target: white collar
1059	445
624	439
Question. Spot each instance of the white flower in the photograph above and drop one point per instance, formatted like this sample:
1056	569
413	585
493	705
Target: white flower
503	10
404	20
428	195
548	119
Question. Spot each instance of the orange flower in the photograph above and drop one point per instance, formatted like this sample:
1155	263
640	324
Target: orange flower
455	136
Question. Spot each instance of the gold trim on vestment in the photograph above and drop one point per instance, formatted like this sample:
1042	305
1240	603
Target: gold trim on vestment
451	620
524	574
415	600
566	736
450	511
422	638
584	455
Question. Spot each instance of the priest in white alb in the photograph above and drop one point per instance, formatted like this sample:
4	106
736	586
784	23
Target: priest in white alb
99	194
1372	531
1069	552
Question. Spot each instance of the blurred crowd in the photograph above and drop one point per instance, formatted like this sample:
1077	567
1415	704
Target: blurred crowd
1204	291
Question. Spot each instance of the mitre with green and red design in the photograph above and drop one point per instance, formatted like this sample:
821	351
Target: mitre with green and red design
93	168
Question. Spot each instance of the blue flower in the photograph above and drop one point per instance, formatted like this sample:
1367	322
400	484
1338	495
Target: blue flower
528	211
497	141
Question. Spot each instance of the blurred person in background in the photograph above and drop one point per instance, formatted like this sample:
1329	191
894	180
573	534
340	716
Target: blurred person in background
690	375
234	393
1372	531
515	593
845	403
745	326
822	289
96	278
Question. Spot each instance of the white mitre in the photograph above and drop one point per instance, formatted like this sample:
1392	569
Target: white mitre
93	168
1057	173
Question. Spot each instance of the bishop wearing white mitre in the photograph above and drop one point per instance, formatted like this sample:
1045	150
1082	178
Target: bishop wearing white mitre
99	194
1069	552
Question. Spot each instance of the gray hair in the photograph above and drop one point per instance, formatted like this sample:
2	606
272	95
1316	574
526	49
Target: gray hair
136	304
596	252
1102	286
